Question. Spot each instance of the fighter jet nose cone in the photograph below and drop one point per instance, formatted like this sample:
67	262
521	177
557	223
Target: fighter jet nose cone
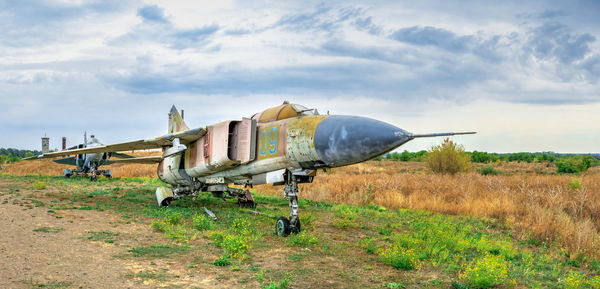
343	140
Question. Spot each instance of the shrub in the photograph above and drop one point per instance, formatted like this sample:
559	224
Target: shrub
202	222
448	158
222	262
574	165
486	272
567	166
489	170
575	183
399	258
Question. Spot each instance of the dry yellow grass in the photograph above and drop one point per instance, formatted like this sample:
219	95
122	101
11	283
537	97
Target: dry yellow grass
535	204
48	167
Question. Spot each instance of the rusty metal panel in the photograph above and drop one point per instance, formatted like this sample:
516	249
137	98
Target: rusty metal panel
300	138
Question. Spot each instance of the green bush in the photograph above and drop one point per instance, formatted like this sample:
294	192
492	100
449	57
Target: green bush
483	157
448	158
574	165
488	170
486	272
222	262
575	183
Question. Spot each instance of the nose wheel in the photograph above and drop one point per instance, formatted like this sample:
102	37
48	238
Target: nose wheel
284	226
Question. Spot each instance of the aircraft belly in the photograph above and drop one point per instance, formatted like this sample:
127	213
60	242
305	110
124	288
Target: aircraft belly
254	168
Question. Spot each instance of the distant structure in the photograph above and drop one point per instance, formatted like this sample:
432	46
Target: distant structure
64	143
45	145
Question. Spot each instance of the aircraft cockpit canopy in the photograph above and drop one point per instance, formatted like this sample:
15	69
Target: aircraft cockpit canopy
286	110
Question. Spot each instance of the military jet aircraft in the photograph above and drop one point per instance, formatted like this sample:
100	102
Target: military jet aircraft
89	163
282	145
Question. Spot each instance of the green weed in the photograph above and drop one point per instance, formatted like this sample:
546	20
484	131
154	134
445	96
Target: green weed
576	280
51	285
394	285
106	236
39	185
486	272
222	262
399	258
158	251
202	222
283	284
303	239
48	229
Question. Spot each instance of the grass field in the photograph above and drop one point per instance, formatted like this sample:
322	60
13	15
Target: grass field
373	225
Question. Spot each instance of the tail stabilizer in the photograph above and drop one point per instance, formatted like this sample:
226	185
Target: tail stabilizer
176	123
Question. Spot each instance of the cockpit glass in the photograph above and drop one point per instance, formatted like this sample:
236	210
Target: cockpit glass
303	110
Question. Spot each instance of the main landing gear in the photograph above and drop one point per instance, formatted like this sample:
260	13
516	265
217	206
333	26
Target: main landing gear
94	173
283	225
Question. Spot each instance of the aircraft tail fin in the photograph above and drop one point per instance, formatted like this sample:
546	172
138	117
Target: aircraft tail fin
176	123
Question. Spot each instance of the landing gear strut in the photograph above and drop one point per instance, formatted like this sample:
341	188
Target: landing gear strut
245	198
285	226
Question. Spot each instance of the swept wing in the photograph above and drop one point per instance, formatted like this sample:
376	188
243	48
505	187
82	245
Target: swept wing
185	137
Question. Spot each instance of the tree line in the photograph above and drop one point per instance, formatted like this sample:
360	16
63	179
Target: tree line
11	155
565	163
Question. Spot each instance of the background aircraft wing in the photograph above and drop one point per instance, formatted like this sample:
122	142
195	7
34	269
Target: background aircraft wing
67	161
121	155
140	160
185	137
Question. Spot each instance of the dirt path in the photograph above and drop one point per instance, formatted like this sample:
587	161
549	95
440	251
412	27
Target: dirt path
32	258
45	248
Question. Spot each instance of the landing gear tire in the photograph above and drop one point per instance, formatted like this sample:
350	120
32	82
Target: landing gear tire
93	178
282	227
67	176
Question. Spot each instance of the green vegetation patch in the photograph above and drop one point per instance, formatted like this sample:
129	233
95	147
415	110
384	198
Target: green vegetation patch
106	236
158	251
48	229
49	285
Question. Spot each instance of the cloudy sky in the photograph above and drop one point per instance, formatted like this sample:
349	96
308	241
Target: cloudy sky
524	74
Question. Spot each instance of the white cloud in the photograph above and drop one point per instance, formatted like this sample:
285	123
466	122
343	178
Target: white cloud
114	67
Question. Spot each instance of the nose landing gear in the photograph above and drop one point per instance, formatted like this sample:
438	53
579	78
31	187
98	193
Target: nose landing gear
283	225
